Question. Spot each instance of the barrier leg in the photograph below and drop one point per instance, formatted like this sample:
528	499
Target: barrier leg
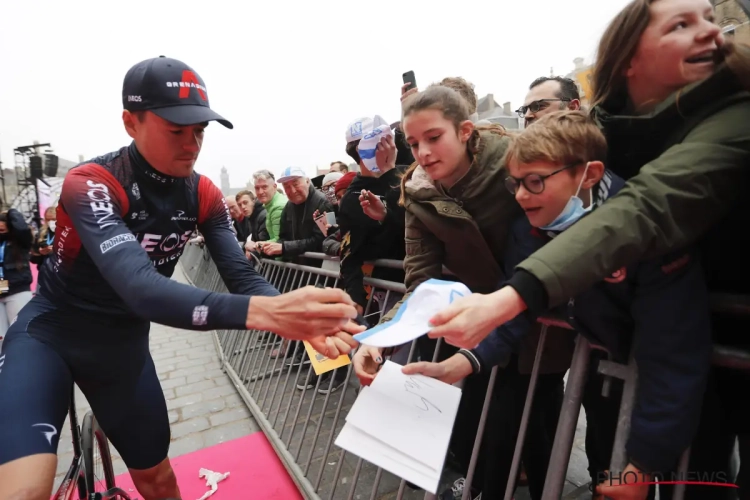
510	486
629	374
682	470
566	425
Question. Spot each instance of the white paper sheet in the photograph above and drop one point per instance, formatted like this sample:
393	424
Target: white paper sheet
413	317
403	423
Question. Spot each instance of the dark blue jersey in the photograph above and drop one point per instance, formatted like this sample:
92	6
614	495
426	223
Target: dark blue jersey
122	226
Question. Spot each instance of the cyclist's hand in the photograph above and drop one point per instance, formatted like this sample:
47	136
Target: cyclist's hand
367	362
339	343
302	314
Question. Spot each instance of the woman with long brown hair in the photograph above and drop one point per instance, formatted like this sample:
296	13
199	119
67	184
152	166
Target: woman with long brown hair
671	96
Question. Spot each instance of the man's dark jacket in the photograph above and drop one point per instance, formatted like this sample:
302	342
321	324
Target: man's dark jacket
299	233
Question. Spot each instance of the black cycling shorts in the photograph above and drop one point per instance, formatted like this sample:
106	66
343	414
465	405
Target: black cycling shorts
46	350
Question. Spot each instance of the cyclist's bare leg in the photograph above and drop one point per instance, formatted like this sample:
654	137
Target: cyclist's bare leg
156	483
28	478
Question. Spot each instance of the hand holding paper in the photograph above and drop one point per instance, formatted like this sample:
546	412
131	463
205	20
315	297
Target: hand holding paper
469	320
368	145
413	317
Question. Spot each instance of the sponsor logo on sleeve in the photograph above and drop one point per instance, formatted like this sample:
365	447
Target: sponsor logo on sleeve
200	315
101	204
111	243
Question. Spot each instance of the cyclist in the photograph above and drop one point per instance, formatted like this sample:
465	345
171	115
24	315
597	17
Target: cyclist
122	223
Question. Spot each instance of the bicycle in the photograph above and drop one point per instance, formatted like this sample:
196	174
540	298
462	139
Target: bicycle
89	443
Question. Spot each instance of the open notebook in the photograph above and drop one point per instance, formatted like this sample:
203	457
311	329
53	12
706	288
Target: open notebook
403	423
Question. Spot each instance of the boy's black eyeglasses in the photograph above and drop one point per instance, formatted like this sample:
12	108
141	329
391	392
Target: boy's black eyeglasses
534	183
537	106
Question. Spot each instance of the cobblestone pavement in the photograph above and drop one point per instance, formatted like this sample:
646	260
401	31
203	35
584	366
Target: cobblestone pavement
204	407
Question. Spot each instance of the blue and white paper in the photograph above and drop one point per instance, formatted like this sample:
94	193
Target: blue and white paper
413	317
367	147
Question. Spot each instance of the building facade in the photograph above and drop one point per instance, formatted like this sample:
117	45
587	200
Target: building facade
489	109
733	19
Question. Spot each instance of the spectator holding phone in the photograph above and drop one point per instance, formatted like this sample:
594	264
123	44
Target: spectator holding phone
326	221
332	244
42	247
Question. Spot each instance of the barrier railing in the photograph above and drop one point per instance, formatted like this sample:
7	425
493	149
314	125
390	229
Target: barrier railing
302	414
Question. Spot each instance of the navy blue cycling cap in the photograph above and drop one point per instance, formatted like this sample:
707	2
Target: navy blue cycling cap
170	89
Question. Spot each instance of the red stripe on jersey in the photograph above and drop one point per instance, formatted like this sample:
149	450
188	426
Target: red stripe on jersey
211	203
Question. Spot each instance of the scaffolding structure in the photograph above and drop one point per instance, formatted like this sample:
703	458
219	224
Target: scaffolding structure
29	165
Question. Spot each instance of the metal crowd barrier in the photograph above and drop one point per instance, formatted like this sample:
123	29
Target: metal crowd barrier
302	423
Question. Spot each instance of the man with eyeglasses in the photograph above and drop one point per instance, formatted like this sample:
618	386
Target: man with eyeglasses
547	95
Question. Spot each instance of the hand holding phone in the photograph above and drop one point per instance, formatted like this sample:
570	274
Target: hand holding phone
320	221
410	82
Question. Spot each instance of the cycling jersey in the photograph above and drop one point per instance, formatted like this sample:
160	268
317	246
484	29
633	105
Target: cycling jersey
122	226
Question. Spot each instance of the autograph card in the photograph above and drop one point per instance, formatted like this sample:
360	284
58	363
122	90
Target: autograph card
321	364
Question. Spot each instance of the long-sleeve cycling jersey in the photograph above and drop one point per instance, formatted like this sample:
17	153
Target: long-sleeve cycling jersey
122	226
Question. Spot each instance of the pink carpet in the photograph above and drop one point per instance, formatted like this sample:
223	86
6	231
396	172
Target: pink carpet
34	274
255	472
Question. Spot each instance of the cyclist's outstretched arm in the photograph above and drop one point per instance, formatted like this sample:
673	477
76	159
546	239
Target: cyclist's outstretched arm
215	224
95	201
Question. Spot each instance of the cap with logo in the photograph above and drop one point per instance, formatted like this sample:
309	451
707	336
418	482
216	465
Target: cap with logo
290	173
357	128
170	89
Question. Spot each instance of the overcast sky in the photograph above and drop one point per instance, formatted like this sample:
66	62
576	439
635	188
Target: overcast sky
290	75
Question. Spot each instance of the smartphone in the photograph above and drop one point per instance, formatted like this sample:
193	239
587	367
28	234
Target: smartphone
331	218
410	78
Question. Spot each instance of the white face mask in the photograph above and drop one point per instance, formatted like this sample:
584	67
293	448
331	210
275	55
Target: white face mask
52	224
